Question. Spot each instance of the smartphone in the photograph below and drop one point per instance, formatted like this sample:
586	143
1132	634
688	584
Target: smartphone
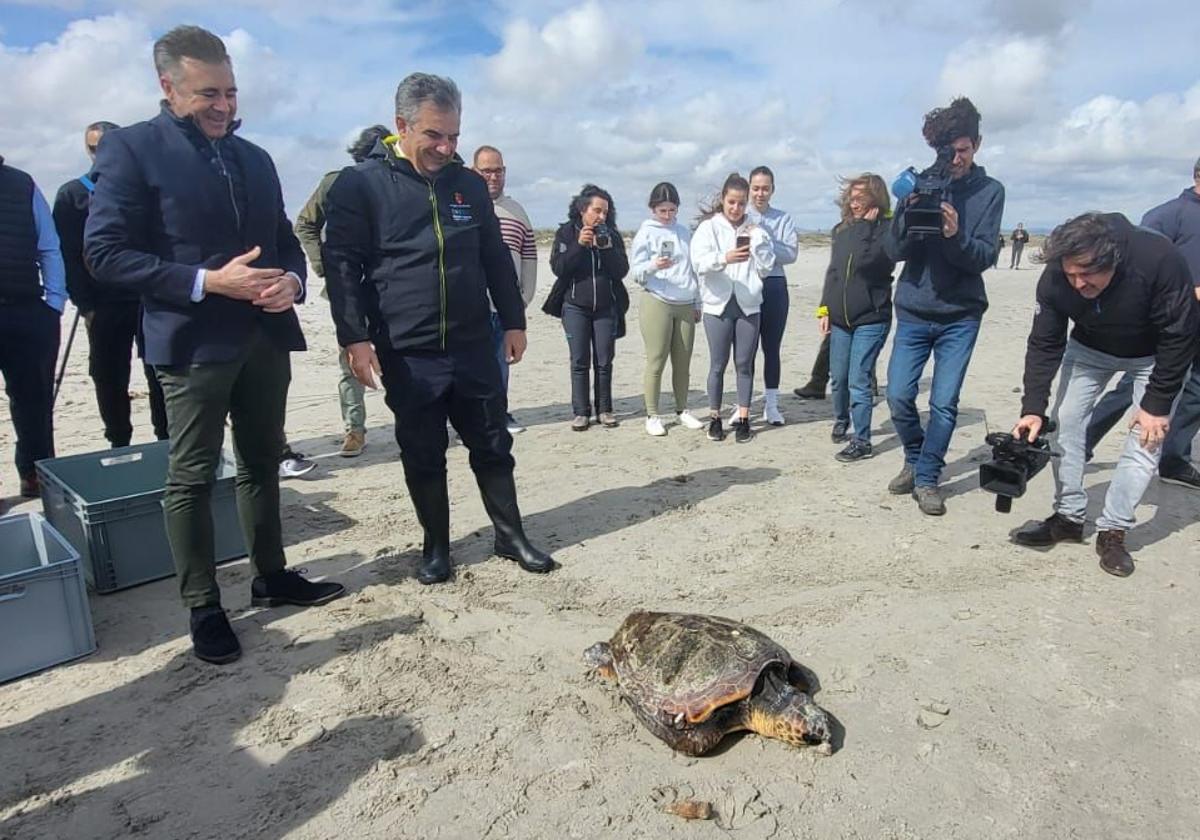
743	240
666	248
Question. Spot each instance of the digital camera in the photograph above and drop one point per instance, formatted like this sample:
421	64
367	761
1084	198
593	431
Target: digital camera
603	237
1014	462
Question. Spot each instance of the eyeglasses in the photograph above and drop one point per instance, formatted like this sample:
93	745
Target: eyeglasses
492	173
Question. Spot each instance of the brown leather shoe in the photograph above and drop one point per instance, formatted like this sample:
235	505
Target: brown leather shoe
1057	528
609	420
353	445
1114	559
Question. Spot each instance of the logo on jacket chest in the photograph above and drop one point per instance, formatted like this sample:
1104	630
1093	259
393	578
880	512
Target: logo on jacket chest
460	211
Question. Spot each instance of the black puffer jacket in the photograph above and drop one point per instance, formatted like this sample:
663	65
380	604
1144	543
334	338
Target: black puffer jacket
858	283
590	278
412	261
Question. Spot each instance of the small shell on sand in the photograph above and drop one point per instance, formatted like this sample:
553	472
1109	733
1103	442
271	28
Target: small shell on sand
690	809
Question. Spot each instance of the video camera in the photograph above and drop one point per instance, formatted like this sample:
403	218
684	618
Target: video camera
925	192
1014	462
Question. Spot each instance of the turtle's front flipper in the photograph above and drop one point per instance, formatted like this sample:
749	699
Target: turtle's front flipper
687	738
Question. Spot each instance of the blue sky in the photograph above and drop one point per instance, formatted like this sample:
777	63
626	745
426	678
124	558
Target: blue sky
1084	106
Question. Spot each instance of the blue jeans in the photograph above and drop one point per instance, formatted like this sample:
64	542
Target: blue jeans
951	346
852	355
1185	423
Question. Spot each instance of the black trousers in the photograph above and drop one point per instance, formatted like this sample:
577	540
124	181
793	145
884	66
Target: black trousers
29	335
423	389
592	341
112	335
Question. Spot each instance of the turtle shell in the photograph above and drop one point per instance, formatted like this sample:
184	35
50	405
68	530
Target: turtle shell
674	664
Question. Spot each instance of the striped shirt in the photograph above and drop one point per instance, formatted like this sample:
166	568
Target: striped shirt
517	233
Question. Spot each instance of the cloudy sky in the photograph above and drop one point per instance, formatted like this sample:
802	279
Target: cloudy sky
1086	105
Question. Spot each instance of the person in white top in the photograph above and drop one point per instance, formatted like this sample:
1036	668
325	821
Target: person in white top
731	256
670	308
786	243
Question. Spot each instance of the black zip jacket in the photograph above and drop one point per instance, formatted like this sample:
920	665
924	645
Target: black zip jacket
858	283
411	261
70	216
587	277
1148	309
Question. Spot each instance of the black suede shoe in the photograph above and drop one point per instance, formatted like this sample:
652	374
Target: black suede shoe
1050	531
499	493
1114	557
840	432
288	587
213	640
812	390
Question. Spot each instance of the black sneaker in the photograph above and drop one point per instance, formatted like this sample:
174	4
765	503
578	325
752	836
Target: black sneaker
838	435
715	430
858	450
741	431
1185	476
213	640
288	587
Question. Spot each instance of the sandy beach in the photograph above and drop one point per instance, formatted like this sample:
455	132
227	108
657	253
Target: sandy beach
1071	698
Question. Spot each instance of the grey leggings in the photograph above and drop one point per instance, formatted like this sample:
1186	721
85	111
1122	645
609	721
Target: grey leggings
739	331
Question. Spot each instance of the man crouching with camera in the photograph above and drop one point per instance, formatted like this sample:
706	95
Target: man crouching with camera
1129	294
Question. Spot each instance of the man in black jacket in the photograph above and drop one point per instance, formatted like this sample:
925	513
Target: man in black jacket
111	316
191	217
412	251
1129	293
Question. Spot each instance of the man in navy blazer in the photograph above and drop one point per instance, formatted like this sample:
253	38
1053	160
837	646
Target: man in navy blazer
191	217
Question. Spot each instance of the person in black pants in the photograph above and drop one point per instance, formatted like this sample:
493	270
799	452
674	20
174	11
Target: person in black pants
112	316
412	251
589	262
32	295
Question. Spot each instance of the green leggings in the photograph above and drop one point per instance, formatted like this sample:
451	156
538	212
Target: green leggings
668	329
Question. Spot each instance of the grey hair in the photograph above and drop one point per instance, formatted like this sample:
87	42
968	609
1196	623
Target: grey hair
187	42
1088	239
418	88
1196	169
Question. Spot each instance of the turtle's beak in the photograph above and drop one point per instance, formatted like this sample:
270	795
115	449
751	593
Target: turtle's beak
816	724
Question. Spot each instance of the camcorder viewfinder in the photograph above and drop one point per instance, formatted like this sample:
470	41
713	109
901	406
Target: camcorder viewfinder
923	213
1014	462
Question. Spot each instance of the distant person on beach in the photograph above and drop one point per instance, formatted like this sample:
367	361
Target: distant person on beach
1147	326
413	252
517	231
856	309
310	230
940	301
786	243
1019	237
191	216
669	308
731	256
33	293
1178	220
589	263
112	317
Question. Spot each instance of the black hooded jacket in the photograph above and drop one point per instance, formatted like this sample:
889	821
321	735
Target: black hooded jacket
858	282
1148	309
412	261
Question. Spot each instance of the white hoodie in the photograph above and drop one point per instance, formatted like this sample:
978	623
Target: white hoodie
675	284
718	281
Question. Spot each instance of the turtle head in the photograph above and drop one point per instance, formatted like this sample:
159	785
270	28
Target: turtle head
599	658
782	711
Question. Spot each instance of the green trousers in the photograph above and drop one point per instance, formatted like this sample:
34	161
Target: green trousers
351	395
252	392
668	330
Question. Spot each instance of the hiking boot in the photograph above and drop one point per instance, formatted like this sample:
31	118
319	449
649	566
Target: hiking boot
857	450
903	483
813	390
715	430
288	587
1185	476
353	445
1055	529
1114	559
840	433
929	500
213	640
580	423
741	430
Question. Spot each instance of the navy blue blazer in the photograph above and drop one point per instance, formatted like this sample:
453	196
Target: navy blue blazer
161	211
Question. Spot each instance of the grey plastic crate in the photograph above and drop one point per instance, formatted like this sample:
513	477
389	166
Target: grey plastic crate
108	505
44	614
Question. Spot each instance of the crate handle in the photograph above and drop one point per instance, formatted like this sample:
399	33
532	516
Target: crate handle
12	593
114	460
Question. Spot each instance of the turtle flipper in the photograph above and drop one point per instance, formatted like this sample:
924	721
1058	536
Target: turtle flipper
688	738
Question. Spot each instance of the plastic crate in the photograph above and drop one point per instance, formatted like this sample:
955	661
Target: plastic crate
109	506
44	614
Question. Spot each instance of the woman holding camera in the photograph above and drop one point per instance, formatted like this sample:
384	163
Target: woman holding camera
786	243
588	260
731	256
856	309
670	307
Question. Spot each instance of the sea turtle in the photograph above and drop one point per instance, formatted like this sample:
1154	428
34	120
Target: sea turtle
692	679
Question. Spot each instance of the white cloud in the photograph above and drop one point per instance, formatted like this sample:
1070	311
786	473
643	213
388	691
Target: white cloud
1006	78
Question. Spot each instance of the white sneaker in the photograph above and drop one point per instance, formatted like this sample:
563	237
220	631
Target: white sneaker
654	426
514	428
690	420
294	465
771	413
